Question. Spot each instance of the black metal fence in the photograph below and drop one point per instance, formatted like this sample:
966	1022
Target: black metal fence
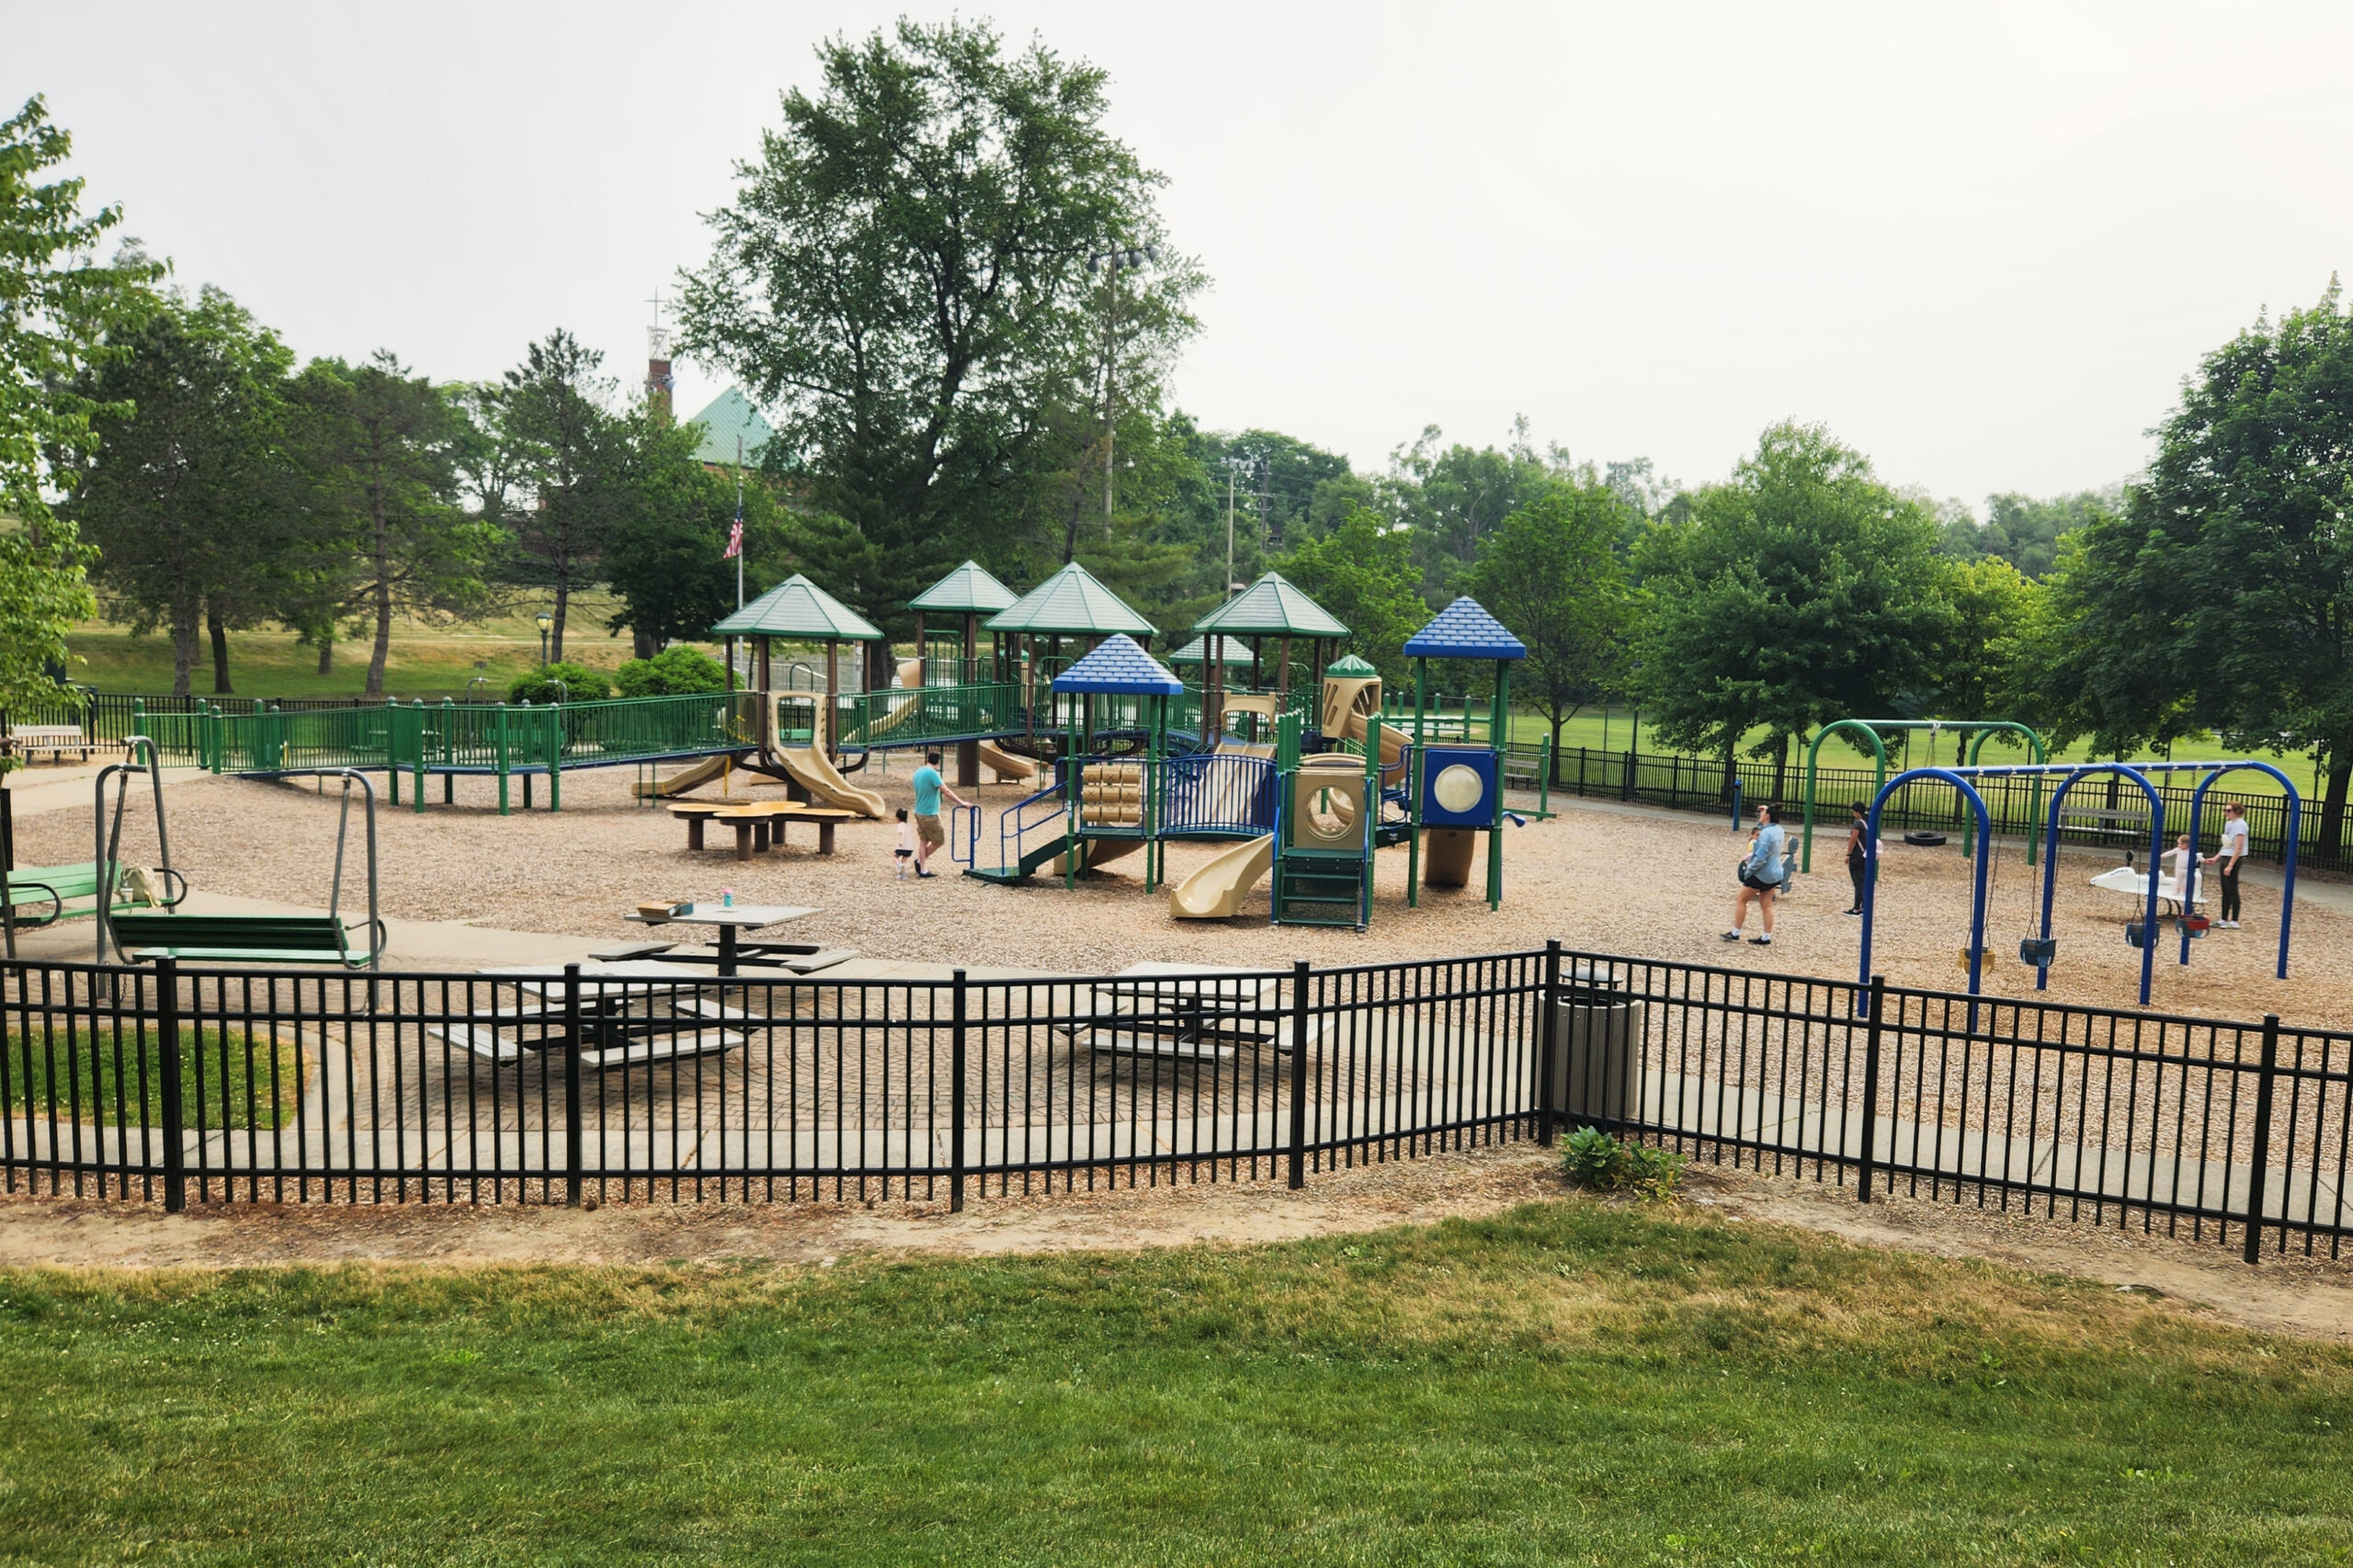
230	1086
1702	784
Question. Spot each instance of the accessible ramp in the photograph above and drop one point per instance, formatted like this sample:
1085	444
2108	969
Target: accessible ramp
809	768
1216	890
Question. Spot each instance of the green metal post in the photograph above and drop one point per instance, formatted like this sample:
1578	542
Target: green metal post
1372	816
555	756
1413	791
418	708
1500	723
499	741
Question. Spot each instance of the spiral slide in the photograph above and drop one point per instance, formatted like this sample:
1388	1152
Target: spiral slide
1010	768
1217	889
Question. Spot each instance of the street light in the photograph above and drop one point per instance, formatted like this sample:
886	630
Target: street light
1111	261
547	622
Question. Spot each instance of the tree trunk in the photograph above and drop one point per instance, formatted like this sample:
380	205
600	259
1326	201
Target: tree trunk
563	603
220	634
642	644
1782	770
183	646
2332	811
1559	719
383	593
327	655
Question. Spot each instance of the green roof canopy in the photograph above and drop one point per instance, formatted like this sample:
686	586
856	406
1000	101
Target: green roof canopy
798	609
1347	666
731	414
1237	651
1071	603
1271	606
968	590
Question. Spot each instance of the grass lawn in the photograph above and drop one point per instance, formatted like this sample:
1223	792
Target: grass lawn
1566	1383
227	1079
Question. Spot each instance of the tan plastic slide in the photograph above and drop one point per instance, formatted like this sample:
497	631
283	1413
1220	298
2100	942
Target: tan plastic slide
1216	890
813	773
1010	768
685	780
1349	701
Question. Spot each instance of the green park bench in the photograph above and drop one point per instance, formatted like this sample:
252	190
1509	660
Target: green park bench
240	938
68	890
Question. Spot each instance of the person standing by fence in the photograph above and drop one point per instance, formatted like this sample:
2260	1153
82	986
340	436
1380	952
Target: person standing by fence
2227	863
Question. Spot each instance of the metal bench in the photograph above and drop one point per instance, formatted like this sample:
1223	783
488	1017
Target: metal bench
54	739
242	938
72	890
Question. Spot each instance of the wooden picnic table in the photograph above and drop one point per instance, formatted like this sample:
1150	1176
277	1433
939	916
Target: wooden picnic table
759	825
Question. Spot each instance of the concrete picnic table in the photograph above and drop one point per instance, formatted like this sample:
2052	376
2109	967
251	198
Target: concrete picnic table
730	919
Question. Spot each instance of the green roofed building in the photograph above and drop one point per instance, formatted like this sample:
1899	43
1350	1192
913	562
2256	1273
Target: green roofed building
1198	650
971	589
1347	666
799	611
723	420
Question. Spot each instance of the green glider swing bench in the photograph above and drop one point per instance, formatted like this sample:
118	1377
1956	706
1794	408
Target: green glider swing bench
145	936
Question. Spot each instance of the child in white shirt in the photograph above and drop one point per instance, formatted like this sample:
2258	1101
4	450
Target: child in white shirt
905	853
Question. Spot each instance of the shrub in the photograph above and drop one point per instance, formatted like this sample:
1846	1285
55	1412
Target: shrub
581	684
1591	1158
674	672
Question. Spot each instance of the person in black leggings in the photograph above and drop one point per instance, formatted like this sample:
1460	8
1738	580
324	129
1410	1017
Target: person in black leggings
1858	864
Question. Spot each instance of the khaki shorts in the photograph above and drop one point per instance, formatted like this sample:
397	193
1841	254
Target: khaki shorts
930	831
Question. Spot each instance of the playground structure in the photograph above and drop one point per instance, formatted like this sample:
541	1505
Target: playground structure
2039	949
1976	731
1308	790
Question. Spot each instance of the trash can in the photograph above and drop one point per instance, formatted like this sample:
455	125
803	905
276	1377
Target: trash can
1596	1059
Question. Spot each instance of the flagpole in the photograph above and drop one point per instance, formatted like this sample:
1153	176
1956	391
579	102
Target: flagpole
739	518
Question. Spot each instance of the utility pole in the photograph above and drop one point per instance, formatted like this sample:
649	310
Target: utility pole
1111	261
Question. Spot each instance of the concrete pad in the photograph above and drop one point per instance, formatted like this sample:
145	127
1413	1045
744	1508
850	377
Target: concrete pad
439	945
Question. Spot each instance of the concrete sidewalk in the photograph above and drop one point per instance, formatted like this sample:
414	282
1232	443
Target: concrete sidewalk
448	945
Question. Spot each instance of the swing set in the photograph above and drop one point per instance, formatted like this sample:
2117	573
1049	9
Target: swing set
1974	732
2038	948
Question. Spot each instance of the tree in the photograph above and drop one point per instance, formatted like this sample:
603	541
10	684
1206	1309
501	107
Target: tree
1803	590
184	495
903	277
2022	531
1550	574
666	557
383	532
2222	597
1453	497
1980	671
570	452
56	312
1363	571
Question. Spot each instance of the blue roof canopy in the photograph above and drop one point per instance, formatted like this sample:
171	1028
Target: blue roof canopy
1119	666
1464	630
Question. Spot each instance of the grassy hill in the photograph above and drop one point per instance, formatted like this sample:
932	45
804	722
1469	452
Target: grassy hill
1569	1382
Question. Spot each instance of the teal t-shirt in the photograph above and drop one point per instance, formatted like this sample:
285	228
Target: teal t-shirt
927	783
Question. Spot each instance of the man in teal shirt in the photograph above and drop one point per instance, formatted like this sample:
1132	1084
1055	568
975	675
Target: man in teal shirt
929	835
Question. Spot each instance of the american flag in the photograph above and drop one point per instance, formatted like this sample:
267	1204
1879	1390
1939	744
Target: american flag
735	540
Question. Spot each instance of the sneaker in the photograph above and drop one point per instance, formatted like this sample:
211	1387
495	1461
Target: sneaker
926	875
1732	936
1760	941
1851	912
2229	925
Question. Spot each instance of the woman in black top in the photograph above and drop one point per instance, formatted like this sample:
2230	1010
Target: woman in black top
1858	866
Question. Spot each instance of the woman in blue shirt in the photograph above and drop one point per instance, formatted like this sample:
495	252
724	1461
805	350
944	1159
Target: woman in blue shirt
1761	875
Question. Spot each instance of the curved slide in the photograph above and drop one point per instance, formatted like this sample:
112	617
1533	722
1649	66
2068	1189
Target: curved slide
1010	768
686	780
1216	890
813	773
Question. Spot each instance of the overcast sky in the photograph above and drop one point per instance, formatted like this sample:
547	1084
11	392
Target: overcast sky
1981	243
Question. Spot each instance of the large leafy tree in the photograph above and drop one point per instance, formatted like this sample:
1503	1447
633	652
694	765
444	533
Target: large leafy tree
2222	597
1801	591
665	558
186	496
903	277
57	309
1363	571
384	533
1551	575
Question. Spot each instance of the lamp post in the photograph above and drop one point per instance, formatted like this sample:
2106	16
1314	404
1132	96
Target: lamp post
547	623
1111	262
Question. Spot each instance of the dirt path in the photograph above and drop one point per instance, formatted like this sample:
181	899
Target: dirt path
2312	1299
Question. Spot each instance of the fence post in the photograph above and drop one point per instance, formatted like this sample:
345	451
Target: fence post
1299	1075
2261	1144
956	1107
571	1085
167	1010
1547	1055
1870	1089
